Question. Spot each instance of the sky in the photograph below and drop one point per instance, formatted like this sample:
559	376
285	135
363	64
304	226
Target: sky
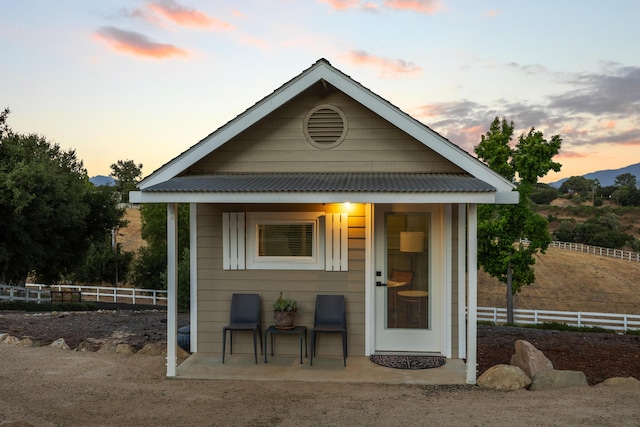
145	80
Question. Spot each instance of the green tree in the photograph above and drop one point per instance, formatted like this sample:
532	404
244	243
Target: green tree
104	264
49	213
543	194
150	266
127	175
579	184
5	130
626	180
510	235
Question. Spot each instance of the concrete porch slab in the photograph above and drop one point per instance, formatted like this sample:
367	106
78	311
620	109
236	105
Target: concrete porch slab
325	369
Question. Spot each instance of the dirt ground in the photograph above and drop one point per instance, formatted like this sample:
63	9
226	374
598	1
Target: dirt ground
43	386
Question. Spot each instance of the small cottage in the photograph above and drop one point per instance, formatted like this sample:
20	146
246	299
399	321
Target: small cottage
323	187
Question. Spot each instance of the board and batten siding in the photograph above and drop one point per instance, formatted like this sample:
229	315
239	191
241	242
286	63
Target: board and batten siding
277	144
215	285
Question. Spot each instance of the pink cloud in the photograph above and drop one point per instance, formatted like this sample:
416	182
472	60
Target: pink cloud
136	44
610	125
565	154
422	6
187	17
388	68
631	142
341	4
493	13
569	130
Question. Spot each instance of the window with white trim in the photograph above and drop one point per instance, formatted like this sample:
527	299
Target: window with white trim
285	240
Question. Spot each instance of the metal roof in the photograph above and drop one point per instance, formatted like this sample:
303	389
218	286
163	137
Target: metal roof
324	183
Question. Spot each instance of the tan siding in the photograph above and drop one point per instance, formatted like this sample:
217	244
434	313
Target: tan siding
215	286
277	144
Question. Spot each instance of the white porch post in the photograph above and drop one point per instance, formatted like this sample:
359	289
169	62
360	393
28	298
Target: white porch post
172	285
369	280
462	281
193	276
472	305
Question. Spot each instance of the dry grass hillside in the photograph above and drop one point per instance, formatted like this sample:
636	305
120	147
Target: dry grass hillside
572	281
130	237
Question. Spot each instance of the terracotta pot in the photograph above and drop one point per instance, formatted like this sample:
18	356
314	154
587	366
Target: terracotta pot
284	319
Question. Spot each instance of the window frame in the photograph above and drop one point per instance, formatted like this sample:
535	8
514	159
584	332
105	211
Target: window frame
257	262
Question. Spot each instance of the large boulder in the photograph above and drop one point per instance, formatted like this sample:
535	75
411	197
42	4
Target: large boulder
3	336
531	360
553	379
27	342
504	377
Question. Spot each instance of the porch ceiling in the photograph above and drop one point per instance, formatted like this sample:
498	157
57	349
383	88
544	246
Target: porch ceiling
324	183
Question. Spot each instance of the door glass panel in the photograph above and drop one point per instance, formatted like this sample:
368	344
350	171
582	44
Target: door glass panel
408	262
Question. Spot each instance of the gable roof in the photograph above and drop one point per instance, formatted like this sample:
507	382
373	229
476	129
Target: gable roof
323	71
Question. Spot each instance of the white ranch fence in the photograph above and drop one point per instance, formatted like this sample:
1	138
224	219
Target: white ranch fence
597	250
613	321
42	293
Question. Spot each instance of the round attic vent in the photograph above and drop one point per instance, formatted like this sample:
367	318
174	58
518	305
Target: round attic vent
325	126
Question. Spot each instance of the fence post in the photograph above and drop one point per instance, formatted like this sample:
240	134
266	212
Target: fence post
133	297
115	294
579	318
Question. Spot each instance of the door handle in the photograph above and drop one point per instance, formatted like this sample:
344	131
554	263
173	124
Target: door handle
380	284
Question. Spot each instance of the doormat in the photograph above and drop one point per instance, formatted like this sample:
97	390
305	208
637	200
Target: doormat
408	362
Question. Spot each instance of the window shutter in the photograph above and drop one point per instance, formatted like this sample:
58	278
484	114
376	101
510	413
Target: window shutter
233	251
337	242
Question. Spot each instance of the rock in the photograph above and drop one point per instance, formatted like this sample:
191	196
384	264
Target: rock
108	347
125	349
10	339
531	360
620	382
60	343
160	349
84	346
3	336
25	342
553	379
154	349
504	377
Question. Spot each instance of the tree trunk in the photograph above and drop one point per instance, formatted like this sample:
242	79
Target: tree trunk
509	295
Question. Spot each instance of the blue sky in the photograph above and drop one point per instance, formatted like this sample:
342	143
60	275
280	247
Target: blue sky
145	80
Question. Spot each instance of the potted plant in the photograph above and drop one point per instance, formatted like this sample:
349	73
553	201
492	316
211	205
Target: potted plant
284	312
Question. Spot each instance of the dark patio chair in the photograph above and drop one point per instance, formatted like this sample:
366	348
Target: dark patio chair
330	317
245	316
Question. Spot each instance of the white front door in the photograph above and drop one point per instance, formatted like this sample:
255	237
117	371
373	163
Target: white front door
409	294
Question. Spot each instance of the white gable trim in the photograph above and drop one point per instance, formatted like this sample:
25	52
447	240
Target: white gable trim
322	70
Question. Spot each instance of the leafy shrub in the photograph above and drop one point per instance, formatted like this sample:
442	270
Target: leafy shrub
544	194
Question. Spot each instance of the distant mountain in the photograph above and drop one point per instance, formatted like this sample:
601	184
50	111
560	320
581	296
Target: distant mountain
606	177
99	180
